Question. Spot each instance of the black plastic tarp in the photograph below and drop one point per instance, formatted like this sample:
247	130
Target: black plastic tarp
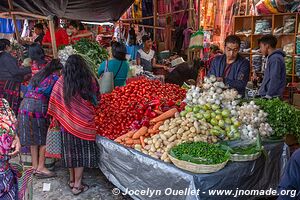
131	170
85	10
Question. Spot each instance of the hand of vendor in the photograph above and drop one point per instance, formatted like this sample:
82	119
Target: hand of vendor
166	67
220	79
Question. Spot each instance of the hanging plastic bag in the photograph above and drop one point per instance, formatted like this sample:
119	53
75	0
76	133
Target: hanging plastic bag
106	81
197	40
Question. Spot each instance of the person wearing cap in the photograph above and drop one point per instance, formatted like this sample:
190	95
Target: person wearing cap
231	68
146	56
118	64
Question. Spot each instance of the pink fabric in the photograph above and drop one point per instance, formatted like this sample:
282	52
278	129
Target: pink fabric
187	37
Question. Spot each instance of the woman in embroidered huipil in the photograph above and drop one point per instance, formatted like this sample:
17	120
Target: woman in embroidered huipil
33	121
8	142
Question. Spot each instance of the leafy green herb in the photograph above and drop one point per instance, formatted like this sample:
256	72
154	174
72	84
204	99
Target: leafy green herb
92	51
283	118
200	153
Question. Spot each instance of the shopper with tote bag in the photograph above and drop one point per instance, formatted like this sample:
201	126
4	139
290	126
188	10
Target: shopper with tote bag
114	72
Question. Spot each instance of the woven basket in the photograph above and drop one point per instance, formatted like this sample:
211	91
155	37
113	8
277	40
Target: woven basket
197	168
244	158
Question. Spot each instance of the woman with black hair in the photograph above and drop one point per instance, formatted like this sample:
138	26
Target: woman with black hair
33	121
146	56
118	64
11	76
72	107
37	55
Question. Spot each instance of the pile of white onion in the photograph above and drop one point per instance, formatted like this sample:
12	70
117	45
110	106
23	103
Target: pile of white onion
253	121
212	92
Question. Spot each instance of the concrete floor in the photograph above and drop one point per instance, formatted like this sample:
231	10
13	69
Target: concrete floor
100	187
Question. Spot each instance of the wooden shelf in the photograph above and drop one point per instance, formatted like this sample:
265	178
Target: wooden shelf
285	34
276	20
243	35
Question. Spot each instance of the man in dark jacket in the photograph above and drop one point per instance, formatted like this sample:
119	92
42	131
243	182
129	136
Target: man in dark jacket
231	68
289	186
9	69
275	75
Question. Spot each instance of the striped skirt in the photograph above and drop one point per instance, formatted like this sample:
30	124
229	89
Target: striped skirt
10	90
8	184
77	152
32	122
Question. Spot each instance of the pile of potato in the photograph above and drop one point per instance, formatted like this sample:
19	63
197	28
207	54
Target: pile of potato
175	131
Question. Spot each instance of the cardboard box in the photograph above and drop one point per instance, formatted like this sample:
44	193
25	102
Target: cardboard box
296	100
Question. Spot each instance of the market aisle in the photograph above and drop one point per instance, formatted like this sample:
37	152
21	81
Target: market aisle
100	187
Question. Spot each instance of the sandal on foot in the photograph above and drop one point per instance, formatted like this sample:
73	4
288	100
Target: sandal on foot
69	184
80	189
43	175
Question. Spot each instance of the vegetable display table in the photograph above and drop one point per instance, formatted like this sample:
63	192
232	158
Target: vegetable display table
148	178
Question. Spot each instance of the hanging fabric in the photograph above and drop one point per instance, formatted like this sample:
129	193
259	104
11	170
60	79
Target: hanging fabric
137	9
131	36
178	35
7	26
25	31
187	36
147	10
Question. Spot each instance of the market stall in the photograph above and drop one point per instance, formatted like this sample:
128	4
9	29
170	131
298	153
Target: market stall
201	136
214	116
129	169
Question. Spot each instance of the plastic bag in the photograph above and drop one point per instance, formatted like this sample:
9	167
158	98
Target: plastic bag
106	81
197	40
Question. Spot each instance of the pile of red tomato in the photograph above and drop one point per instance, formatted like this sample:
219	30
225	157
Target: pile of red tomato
133	105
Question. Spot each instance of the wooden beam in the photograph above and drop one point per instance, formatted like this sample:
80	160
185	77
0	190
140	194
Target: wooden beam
14	20
158	15
147	26
4	14
155	18
190	20
199	14
136	19
53	39
175	12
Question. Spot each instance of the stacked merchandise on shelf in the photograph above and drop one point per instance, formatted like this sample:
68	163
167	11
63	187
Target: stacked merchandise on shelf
297	58
289	64
257	62
263	26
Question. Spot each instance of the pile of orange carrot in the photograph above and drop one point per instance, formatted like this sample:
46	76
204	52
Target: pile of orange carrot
137	137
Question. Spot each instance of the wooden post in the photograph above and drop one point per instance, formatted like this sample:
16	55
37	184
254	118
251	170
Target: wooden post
53	39
154	18
191	4
199	14
14	20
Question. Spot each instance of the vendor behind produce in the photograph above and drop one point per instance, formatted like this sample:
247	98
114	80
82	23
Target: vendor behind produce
78	31
146	56
275	74
231	68
61	35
